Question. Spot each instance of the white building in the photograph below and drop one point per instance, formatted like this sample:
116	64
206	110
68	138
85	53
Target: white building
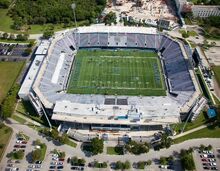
205	10
40	53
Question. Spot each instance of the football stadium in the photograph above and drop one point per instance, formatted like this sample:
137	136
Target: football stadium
113	80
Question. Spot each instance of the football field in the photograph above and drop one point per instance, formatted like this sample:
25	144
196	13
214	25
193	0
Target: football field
116	72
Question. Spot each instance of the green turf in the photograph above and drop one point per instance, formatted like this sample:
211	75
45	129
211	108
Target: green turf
71	143
6	21
216	70
200	120
5	135
115	150
121	72
9	73
209	132
18	119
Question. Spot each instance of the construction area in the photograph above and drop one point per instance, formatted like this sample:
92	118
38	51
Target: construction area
148	11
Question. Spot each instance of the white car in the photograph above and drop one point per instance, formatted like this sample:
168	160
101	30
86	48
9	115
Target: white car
212	164
212	160
55	155
55	158
210	152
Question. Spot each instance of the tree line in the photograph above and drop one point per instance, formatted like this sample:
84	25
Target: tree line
54	11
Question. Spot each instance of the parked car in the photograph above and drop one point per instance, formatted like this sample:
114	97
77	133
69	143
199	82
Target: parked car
38	162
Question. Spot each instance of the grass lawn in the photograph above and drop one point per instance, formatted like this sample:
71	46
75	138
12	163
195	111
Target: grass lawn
25	108
9	73
43	151
115	150
200	120
18	119
6	21
71	143
192	33
209	132
16	41
216	70
217	101
21	134
205	89
35	127
5	136
121	72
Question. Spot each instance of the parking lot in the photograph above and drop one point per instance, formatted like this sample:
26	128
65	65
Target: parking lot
207	159
15	50
19	144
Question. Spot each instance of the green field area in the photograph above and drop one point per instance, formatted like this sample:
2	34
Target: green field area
6	21
209	132
9	73
121	72
216	70
5	135
115	150
200	120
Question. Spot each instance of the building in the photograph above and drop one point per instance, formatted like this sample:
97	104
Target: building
204	11
40	53
197	10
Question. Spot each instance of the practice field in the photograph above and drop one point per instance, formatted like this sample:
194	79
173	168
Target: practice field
121	72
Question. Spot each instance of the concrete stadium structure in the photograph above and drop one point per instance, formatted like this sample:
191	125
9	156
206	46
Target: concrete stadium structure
87	116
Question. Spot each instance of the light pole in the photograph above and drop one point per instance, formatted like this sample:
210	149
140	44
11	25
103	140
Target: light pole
73	6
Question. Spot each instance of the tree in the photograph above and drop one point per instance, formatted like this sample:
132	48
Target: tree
18	23
97	146
185	34
31	44
163	161
22	37
118	165
137	148
36	155
141	165
149	162
4	3
110	18
8	104
27	52
63	138
5	35
48	34
187	160
19	154
127	165
54	134
12	36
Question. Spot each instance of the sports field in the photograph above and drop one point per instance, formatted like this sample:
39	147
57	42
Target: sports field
121	72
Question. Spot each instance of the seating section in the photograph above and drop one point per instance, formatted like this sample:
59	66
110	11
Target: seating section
175	67
49	89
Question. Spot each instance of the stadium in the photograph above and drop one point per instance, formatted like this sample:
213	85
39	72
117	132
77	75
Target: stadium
115	80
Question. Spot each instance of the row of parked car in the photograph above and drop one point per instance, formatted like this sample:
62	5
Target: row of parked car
208	160
57	163
20	144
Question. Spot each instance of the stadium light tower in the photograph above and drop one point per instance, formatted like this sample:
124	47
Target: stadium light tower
73	6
